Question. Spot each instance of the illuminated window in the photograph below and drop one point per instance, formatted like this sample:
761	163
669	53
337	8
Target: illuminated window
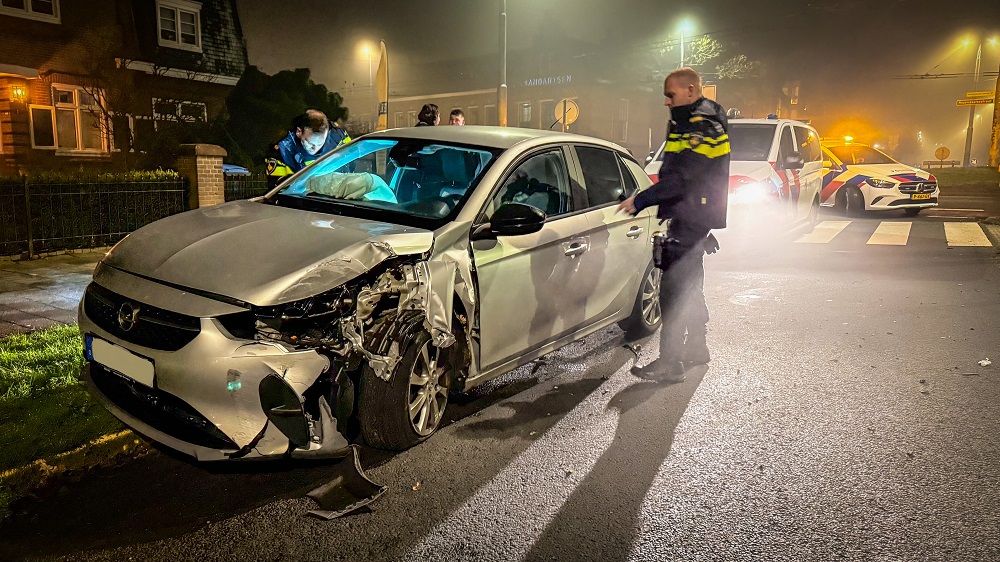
41	10
525	114
178	23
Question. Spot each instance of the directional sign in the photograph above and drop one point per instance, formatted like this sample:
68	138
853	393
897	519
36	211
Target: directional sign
986	94
942	152
982	101
569	106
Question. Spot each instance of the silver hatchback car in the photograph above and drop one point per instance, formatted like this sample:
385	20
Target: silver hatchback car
351	300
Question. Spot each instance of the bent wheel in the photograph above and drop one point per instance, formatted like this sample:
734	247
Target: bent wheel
409	407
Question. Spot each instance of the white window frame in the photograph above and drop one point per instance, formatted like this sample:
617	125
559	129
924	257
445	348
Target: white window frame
78	113
620	116
28	13
31	119
178	115
521	106
179	6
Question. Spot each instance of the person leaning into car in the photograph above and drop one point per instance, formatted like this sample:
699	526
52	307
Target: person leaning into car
312	136
692	192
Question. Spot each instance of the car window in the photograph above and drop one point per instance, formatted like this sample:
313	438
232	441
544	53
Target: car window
540	181
786	146
750	142
808	144
860	154
629	180
638	174
601	174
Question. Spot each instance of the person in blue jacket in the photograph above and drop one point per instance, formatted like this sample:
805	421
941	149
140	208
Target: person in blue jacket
312	136
692	192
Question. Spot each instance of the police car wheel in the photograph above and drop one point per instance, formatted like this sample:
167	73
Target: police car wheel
646	314
854	201
813	214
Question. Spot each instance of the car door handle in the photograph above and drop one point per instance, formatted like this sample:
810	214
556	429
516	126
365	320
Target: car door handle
576	248
634	232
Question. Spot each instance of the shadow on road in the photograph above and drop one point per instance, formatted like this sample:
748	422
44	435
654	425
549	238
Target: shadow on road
598	521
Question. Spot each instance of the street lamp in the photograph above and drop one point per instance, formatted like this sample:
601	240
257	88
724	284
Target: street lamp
686	28
967	159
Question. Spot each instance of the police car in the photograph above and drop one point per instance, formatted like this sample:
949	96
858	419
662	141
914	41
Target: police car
861	178
775	173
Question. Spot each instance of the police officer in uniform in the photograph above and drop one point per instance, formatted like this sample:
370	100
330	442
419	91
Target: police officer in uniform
312	136
692	192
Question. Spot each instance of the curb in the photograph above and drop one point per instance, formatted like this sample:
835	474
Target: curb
105	451
991	226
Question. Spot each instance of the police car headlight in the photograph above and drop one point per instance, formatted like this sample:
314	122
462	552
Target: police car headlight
749	193
881	184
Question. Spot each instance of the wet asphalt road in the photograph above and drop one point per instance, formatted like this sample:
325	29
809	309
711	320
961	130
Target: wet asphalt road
843	417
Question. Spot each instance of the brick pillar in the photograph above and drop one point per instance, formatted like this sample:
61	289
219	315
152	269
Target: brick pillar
201	164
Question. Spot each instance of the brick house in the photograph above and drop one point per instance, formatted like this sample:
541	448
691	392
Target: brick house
82	84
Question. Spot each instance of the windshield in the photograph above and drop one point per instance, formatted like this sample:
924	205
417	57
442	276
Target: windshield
750	142
415	178
860	154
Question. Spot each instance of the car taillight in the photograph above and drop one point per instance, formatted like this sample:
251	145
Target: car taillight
654	177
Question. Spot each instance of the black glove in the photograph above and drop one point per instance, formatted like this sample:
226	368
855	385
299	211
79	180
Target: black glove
711	244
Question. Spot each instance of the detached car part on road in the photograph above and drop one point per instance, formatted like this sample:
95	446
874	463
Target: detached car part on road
353	299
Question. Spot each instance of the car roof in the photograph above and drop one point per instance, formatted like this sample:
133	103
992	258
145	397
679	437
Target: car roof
493	137
769	122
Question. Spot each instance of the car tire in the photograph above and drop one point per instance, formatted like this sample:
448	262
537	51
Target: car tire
646	314
813	219
912	212
420	384
854	201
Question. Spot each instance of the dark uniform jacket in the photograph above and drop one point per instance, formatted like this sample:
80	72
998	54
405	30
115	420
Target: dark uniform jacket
694	178
287	156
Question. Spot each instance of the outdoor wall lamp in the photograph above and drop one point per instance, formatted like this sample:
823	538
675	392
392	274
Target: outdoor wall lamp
18	94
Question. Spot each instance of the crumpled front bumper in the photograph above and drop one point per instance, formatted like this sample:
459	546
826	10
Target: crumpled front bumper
205	401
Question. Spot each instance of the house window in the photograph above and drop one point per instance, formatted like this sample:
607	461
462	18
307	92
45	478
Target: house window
79	125
619	124
411	118
41	10
178	23
525	114
177	110
43	126
398	120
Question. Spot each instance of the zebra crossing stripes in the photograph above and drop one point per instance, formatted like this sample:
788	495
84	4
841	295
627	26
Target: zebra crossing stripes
891	234
964	234
897	233
824	232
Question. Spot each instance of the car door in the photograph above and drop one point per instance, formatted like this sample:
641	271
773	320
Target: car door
619	249
832	168
526	283
811	174
790	186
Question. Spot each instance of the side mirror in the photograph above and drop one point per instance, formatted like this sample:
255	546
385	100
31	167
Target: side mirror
649	157
511	219
794	161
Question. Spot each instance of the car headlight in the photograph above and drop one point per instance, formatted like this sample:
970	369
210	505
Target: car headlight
748	193
881	184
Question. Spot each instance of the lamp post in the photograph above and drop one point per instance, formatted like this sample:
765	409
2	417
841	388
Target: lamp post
685	28
994	158
502	87
967	159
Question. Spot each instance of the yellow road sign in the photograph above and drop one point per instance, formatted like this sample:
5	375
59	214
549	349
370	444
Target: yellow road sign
981	101
710	91
570	108
942	152
984	94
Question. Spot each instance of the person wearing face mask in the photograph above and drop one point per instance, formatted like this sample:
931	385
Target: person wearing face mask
692	192
312	136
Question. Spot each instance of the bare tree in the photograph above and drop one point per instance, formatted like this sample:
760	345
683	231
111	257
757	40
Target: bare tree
740	68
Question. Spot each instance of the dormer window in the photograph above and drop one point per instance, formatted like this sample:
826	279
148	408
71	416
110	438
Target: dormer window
178	24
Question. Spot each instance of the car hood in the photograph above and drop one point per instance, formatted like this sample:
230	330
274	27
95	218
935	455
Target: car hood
895	172
754	170
262	254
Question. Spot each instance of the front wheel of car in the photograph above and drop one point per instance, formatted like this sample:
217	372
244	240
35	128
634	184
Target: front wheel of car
854	201
405	410
646	314
912	211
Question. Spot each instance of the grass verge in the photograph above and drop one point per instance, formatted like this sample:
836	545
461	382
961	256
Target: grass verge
950	177
45	410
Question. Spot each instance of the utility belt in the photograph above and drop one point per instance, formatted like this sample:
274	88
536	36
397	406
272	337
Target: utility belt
668	251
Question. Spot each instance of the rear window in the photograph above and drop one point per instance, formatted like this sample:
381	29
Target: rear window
751	142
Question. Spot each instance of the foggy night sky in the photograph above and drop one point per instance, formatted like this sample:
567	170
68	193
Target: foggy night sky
846	53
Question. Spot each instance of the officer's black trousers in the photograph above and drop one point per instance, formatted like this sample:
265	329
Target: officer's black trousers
682	294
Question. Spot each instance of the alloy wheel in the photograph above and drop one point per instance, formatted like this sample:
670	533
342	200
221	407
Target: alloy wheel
651	297
428	396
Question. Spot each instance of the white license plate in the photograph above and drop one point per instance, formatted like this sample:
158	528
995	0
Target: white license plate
123	361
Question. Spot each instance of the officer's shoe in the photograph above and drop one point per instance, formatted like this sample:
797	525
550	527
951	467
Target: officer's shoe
661	371
695	354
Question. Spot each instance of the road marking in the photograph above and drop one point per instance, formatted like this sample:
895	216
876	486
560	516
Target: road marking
965	234
823	233
891	234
